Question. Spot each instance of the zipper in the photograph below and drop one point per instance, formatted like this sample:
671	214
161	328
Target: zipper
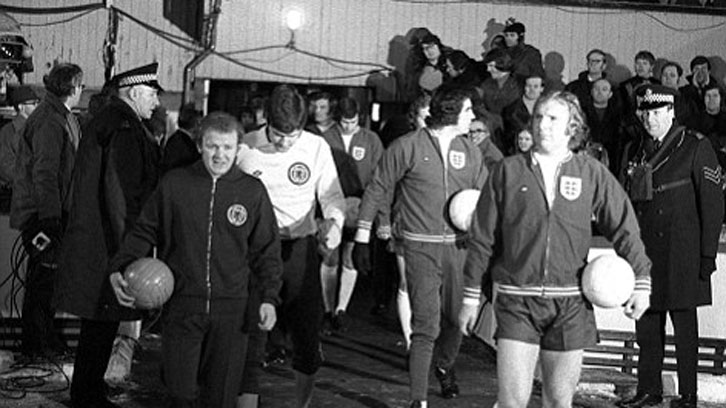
208	268
549	221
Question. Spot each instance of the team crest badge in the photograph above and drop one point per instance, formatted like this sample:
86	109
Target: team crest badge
298	173
457	159
570	187
237	215
358	153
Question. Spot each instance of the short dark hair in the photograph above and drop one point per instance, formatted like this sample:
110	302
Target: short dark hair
332	100
459	60
218	121
286	110
446	105
348	108
577	124
645	55
501	60
679	70
62	79
596	51
189	116
700	60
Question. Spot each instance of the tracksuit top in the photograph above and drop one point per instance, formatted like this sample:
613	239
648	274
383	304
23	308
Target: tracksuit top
413	167
212	234
297	180
531	249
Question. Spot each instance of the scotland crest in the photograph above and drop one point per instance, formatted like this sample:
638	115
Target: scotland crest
298	173
237	215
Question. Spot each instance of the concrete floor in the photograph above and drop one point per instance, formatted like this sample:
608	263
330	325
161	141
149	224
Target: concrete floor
364	368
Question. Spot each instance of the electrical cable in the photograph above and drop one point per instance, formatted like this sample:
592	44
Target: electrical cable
52	23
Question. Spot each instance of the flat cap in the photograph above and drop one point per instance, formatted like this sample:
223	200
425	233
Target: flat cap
653	96
146	75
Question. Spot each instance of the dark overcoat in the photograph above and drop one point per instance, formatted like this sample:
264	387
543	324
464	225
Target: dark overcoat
680	226
117	168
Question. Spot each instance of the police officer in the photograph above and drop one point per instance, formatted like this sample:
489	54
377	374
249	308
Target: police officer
674	181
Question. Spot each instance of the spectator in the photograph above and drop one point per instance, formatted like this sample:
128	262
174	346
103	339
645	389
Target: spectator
524	141
480	134
526	59
181	149
430	69
604	120
697	81
502	88
40	200
518	114
24	99
644	61
461	71
117	168
686	109
582	86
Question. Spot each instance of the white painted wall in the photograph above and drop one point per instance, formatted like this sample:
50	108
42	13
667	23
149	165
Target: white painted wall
374	31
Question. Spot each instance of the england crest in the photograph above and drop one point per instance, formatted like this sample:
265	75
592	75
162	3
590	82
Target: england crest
570	187
237	215
457	159
358	153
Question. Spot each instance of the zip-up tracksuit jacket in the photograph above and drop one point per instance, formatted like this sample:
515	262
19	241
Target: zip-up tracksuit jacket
212	235
425	183
531	249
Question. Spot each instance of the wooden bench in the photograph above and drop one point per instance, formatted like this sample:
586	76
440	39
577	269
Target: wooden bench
620	349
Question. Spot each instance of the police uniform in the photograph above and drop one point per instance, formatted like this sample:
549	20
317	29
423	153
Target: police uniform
676	191
115	172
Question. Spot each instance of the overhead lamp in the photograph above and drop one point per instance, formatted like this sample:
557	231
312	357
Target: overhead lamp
294	18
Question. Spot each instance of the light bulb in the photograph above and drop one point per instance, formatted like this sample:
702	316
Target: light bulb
294	19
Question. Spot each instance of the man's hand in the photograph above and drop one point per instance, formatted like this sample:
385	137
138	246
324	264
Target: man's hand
708	265
384	232
119	285
268	317
361	257
638	303
467	318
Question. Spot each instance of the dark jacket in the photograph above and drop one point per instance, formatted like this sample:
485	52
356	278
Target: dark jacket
213	234
694	93
44	163
516	117
582	88
356	164
608	131
496	98
116	172
179	151
527	61
9	140
680	226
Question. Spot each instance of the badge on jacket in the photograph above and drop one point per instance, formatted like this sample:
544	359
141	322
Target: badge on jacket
298	173
570	187
237	215
358	153
457	159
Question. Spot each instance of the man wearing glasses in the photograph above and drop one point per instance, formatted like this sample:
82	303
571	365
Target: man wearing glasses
299	173
41	187
581	87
